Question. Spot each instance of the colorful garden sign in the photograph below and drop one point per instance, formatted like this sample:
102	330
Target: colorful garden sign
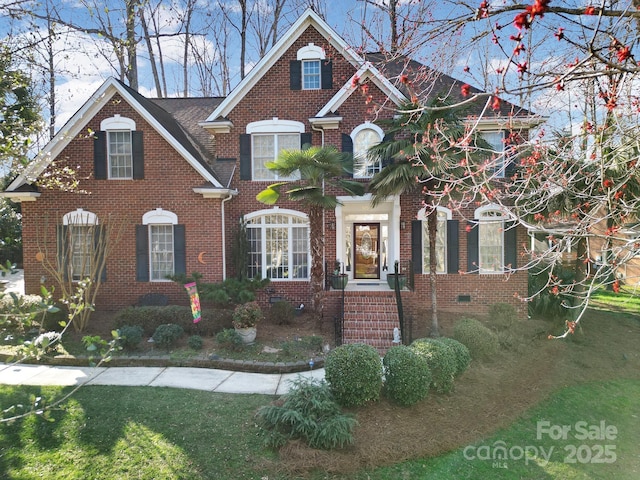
196	311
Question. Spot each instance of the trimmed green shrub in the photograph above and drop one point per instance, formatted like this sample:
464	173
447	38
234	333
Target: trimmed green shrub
501	316
195	342
149	318
463	357
354	374
441	360
309	412
167	335
229	339
130	336
282	313
480	340
407	375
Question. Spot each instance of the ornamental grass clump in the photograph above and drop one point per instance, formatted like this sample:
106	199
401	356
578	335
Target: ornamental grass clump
354	374
441	361
407	376
308	412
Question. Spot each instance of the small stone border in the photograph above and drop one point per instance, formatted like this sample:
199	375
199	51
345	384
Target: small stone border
250	366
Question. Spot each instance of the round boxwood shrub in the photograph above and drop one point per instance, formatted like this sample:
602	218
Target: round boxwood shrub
130	336
354	374
407	375
480	340
441	360
195	342
167	335
282	313
463	357
502	316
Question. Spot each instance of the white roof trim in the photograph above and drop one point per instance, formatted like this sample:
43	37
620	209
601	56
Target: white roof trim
78	121
366	72
308	18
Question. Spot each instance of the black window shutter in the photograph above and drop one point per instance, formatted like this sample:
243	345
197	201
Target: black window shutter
347	143
245	156
416	245
142	253
61	237
179	249
295	75
137	151
305	139
453	250
100	155
473	252
510	246
387	160
326	72
347	147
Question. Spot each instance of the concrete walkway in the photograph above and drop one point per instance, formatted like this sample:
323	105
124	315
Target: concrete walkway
212	380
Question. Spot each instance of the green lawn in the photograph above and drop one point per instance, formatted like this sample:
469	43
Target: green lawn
161	433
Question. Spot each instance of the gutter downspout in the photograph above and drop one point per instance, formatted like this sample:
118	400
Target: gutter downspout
224	243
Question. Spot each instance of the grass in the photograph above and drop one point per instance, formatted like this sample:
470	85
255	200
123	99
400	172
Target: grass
603	454
151	433
627	301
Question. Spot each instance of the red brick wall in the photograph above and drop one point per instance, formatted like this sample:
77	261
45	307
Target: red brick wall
168	184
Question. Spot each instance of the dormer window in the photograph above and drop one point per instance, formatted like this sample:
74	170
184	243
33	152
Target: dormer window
311	70
118	153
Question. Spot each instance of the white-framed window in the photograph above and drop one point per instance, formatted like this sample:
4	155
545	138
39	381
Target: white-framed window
311	75
364	137
490	239
495	139
278	245
160	224
311	57
268	139
78	243
119	146
443	214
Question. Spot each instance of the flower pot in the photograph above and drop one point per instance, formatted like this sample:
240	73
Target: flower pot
248	335
339	282
391	280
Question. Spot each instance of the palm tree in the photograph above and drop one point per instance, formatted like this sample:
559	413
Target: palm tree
423	149
318	168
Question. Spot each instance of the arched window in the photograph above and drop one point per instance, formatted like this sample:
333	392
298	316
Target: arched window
364	137
443	214
160	246
278	245
490	239
118	146
267	139
78	242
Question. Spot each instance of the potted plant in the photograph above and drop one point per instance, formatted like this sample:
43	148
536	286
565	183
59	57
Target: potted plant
338	279
391	280
245	318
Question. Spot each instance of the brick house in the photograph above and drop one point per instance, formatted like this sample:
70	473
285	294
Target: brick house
180	173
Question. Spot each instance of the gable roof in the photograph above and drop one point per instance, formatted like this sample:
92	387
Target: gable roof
428	83
161	120
308	18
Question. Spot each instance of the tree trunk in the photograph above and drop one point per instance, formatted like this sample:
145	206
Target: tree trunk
317	257
132	67
432	225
